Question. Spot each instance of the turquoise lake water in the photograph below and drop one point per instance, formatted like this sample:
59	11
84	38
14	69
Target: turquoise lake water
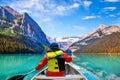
105	67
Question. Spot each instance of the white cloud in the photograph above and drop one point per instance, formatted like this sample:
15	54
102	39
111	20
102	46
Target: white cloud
24	4
46	19
89	17
112	0
60	10
86	4
39	7
109	8
63	10
47	7
24	10
44	11
112	15
75	5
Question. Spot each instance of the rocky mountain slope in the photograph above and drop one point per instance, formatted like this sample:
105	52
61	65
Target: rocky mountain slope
91	38
65	42
107	44
29	27
19	44
14	24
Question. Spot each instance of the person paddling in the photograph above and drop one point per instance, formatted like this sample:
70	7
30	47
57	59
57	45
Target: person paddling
55	58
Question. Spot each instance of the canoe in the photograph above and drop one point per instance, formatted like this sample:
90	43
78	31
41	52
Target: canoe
71	74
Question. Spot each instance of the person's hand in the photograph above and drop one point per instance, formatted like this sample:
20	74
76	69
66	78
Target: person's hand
37	67
68	52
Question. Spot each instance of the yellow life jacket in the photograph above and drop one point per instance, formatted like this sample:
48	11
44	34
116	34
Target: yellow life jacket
55	61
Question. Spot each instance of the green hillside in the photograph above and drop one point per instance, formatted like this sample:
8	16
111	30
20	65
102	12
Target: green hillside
19	44
107	44
12	40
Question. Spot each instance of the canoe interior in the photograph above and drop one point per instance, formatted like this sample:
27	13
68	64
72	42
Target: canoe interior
71	74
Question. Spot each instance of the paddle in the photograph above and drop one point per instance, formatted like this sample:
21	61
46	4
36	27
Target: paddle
20	77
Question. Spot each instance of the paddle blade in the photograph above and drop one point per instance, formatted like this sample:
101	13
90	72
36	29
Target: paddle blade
18	77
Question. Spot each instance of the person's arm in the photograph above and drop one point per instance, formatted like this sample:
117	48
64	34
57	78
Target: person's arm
42	63
67	57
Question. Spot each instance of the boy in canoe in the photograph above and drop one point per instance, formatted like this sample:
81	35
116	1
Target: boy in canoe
55	58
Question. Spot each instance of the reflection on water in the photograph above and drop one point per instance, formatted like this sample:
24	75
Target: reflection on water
104	66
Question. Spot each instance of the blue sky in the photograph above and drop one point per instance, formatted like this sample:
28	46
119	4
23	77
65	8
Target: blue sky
60	18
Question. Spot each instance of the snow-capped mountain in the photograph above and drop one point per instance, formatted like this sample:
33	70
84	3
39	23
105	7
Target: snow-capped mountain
23	21
65	42
101	31
72	39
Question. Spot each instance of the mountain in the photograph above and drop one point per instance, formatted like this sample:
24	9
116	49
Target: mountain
91	38
72	39
107	44
25	22
19	44
65	42
5	14
14	24
32	29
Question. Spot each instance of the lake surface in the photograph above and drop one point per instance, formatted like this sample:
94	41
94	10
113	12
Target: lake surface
105	67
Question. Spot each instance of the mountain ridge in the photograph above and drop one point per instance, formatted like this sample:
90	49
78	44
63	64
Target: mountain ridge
107	44
9	9
25	22
19	44
13	24
93	37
